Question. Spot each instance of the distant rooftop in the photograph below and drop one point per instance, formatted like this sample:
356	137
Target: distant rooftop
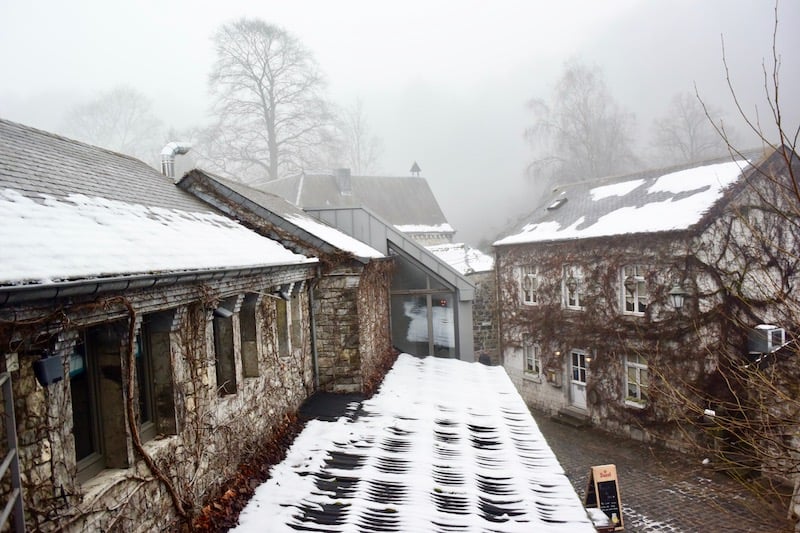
398	200
645	202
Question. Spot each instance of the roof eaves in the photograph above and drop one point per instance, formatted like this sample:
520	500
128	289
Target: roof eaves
20	294
237	202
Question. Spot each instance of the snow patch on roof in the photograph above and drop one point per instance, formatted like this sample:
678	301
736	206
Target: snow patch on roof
615	189
418	228
693	192
463	257
334	237
47	239
443	442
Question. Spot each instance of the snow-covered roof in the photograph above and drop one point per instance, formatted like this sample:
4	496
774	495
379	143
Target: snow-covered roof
421	228
402	200
649	202
444	445
236	196
71	211
333	236
49	239
463	257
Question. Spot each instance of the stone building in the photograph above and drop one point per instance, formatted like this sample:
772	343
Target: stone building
405	202
431	300
350	296
152	343
628	301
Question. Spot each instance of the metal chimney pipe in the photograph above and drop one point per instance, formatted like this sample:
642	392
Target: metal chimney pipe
168	154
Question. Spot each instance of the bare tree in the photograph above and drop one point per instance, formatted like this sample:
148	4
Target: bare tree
121	120
270	110
748	408
685	134
582	133
359	148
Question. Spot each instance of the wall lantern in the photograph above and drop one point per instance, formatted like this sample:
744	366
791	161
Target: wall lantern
677	295
572	284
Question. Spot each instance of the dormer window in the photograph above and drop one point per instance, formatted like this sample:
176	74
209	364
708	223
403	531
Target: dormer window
558	203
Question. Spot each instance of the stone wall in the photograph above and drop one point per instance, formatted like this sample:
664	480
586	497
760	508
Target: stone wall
375	348
352	326
672	344
210	434
484	315
337	329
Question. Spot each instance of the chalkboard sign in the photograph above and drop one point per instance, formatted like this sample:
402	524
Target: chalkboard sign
603	493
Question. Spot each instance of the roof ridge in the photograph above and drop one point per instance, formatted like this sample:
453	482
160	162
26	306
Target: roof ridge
661	171
71	140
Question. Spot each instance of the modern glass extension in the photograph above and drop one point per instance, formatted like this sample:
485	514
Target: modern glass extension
424	309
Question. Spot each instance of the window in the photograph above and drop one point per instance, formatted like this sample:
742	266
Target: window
97	390
85	416
144	380
248	336
574	287
533	359
98	410
154	376
634	290
636	380
529	285
282	322
296	325
224	355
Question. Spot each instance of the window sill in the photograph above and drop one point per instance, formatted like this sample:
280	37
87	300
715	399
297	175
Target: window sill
635	405
535	378
574	308
530	304
632	313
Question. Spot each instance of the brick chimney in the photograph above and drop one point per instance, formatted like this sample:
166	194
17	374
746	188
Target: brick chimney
343	181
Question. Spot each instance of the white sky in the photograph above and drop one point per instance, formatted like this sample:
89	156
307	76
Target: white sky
444	83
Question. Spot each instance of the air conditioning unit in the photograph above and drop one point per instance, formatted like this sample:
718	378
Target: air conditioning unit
765	338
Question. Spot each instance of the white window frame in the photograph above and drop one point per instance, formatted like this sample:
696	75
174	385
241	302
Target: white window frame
573	300
529	275
634	273
638	365
531	360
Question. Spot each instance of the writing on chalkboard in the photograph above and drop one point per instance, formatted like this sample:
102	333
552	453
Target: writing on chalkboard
603	493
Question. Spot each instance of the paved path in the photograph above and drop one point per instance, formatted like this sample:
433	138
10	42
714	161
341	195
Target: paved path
661	490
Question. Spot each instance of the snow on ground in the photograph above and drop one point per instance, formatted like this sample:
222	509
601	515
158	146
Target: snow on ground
51	239
445	445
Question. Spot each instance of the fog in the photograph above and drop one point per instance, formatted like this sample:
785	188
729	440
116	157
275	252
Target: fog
442	83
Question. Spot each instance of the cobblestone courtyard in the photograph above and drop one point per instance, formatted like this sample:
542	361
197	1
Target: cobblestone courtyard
661	490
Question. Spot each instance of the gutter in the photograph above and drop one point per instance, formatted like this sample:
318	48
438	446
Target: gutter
18	294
